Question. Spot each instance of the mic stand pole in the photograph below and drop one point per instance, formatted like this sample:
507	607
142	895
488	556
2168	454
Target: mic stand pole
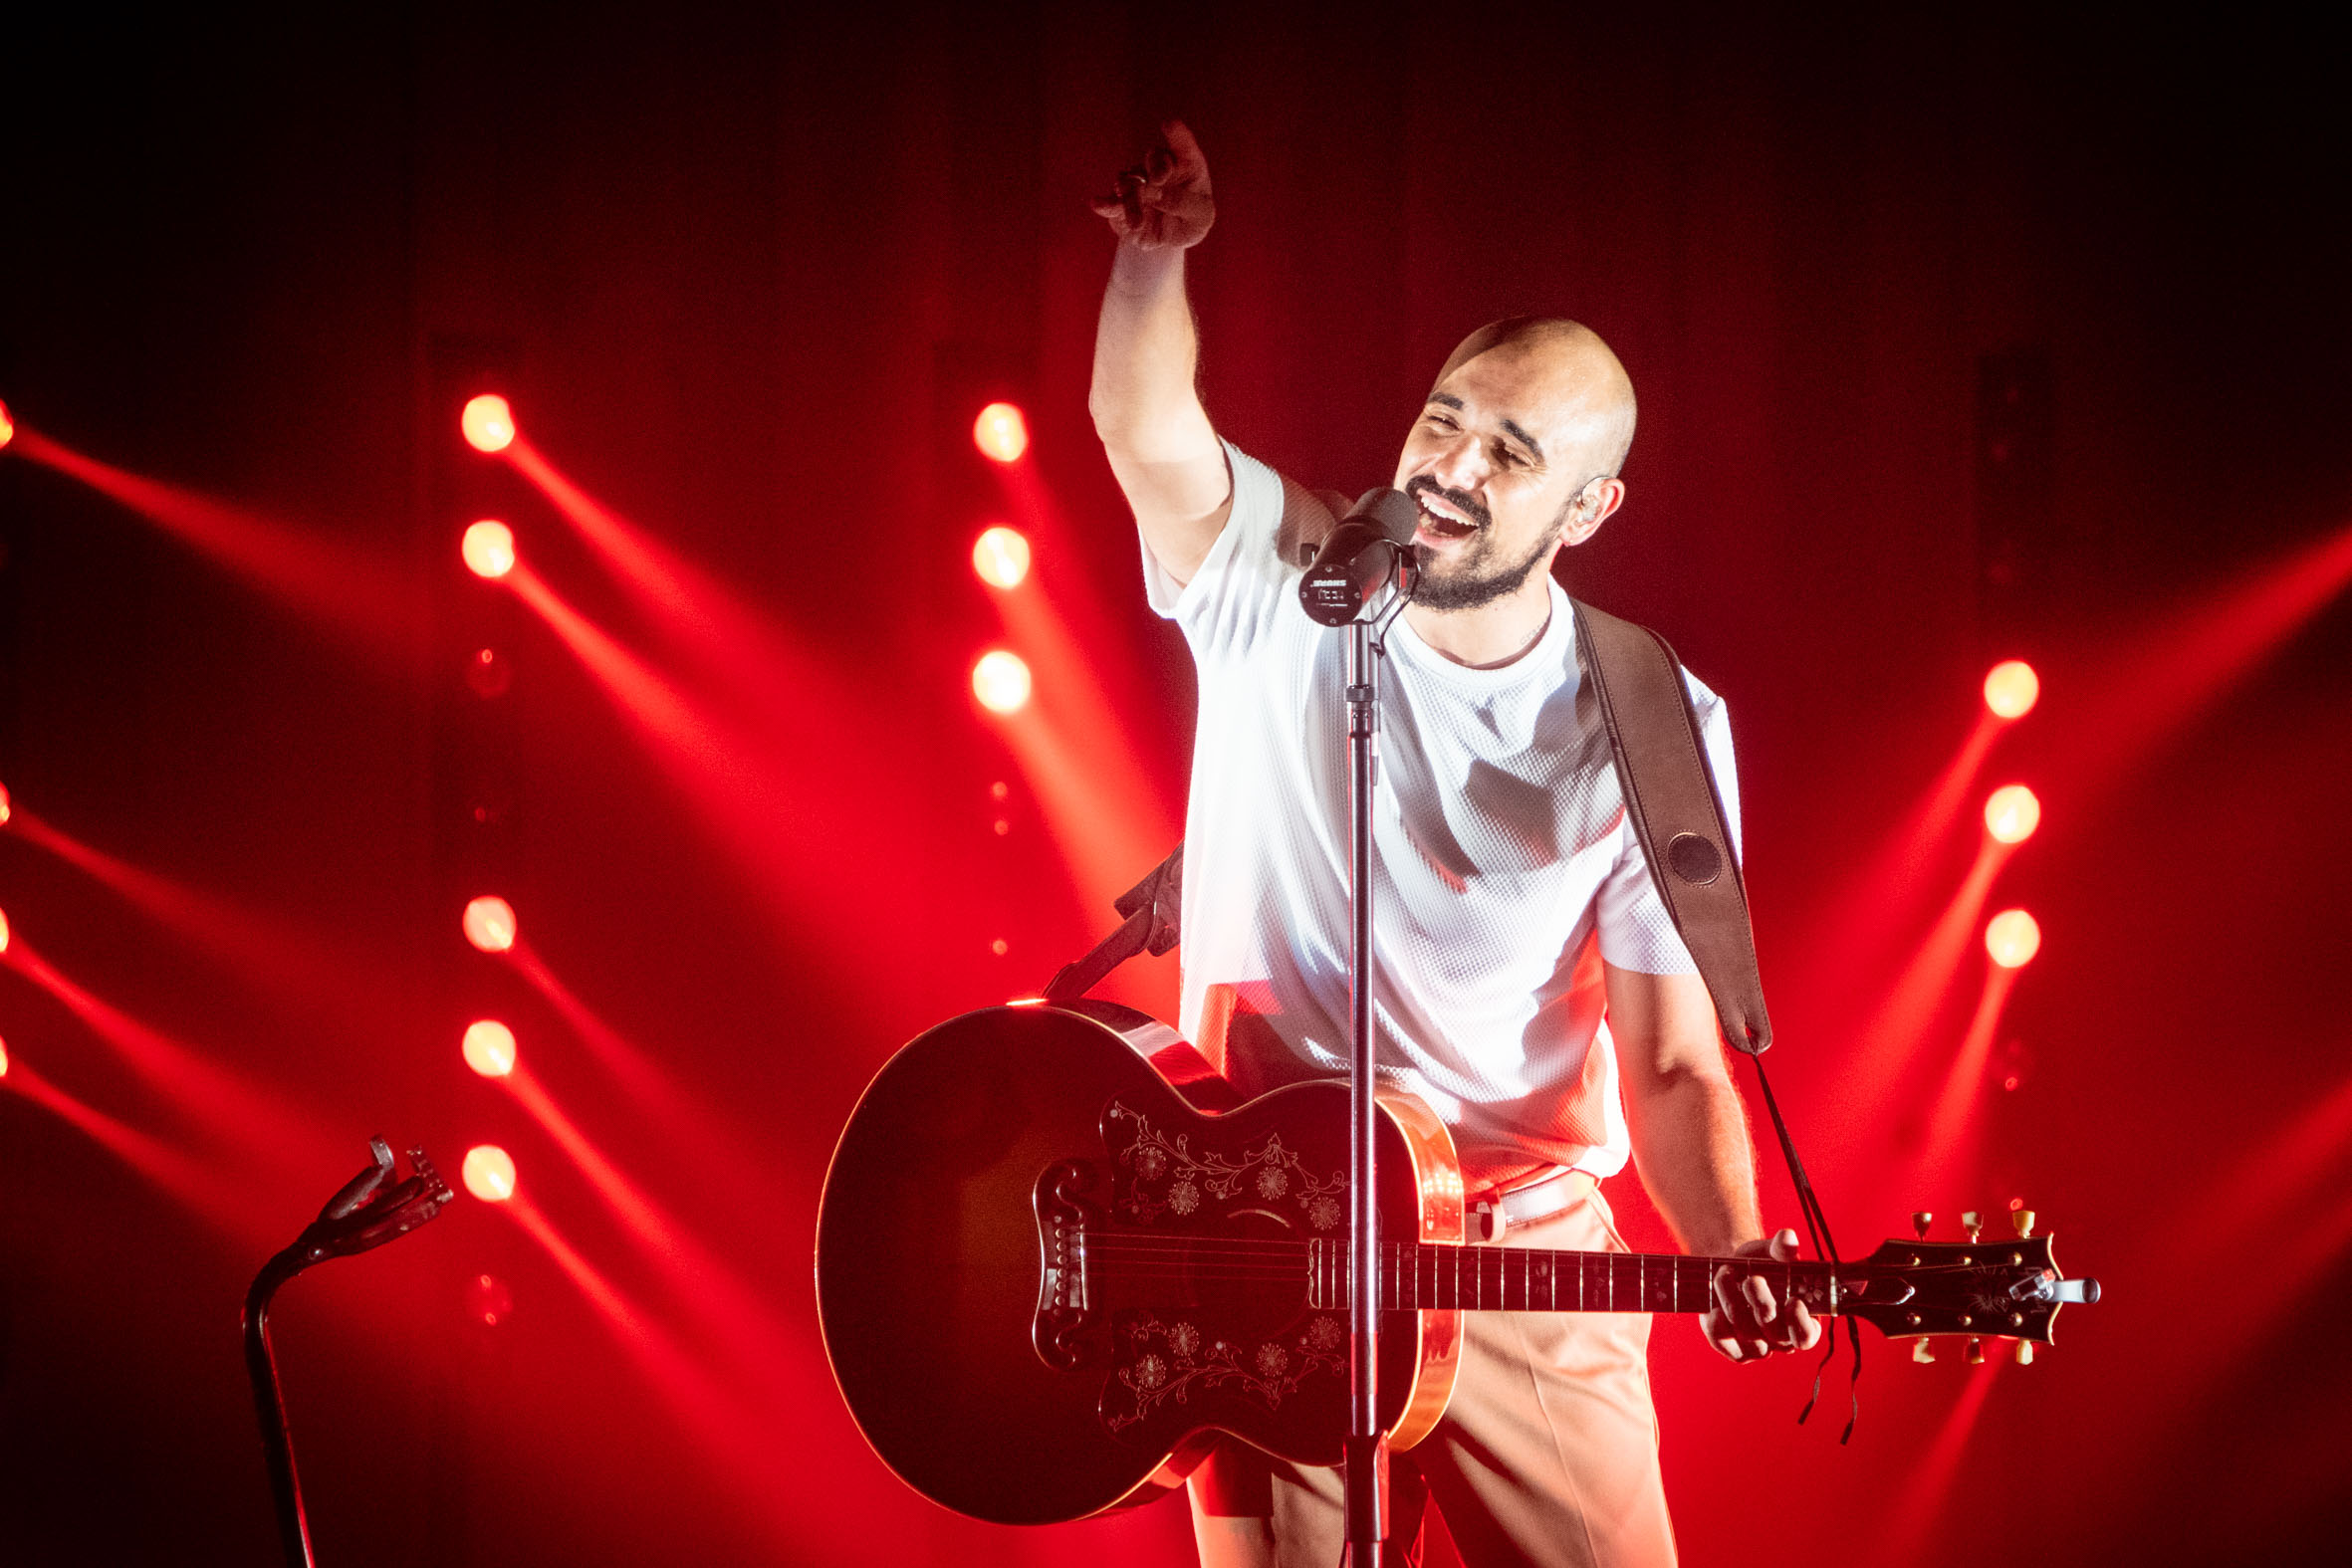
1366	1450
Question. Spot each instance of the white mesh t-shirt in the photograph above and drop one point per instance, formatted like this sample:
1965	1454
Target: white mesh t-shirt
1504	867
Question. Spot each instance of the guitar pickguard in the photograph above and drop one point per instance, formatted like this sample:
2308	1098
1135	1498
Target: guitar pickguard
1202	1271
1158	1362
1165	1176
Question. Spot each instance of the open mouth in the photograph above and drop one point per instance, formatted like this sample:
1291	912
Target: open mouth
1440	521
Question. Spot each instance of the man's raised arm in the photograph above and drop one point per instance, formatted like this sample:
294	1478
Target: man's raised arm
1146	407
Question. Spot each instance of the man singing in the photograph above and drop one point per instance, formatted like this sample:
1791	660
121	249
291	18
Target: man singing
1528	981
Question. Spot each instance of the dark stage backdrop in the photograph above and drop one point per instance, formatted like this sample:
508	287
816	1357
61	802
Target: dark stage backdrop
744	274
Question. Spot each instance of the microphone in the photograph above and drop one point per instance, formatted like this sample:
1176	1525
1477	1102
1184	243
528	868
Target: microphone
1357	558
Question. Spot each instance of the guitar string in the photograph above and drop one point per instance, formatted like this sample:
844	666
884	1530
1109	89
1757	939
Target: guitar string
1699	1277
1469	1294
1237	1269
1272	1243
1114	1243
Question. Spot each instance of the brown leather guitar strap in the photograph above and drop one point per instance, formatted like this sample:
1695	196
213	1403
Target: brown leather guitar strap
1671	798
1678	815
1151	907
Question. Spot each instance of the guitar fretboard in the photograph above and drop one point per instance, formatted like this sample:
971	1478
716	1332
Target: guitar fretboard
1525	1279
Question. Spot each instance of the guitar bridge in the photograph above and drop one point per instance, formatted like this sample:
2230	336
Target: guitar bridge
1058	1329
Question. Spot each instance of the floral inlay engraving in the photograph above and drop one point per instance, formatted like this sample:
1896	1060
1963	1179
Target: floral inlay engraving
1159	1362
1166	1176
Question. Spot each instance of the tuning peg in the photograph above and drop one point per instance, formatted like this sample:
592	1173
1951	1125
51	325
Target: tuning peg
1972	1223
1975	1353
1922	1351
1920	1221
2025	1352
2023	1219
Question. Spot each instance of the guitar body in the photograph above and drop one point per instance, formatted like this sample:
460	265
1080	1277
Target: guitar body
1002	1375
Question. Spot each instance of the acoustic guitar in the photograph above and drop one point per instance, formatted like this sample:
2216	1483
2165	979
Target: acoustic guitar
1048	1280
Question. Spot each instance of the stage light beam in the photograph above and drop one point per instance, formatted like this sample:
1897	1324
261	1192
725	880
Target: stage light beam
2011	689
7	426
490	1048
1001	679
488	423
489	549
2012	936
490	923
4	806
1001	433
489	1172
2011	813
1001	556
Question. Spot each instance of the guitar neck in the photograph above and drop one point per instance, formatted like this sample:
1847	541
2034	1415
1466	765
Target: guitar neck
1422	1277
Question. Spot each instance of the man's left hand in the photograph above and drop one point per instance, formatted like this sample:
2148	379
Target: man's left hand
1749	1320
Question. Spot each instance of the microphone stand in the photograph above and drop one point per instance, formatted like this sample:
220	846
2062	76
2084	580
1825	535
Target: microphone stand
364	1213
1366	1450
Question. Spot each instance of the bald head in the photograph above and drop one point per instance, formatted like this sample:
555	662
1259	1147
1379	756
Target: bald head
1568	370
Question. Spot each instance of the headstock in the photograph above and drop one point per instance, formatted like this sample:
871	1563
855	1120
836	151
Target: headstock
1982	1288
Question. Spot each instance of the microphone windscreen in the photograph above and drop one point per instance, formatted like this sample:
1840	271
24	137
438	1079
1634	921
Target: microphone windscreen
1390	512
1357	557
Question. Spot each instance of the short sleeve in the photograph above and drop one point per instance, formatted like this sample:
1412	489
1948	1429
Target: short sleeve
1636	932
1249	572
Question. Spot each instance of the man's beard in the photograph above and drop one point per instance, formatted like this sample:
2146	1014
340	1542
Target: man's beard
1476	578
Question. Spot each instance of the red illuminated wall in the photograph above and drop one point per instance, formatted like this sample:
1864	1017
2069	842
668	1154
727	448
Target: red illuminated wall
746	279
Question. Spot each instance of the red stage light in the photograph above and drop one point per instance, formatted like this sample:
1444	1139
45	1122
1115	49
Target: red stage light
1001	556
490	923
7	426
1000	681
2012	938
3	805
3	930
2011	813
1001	433
2011	689
3	1058
490	1048
489	549
488	423
488	1300
489	1172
